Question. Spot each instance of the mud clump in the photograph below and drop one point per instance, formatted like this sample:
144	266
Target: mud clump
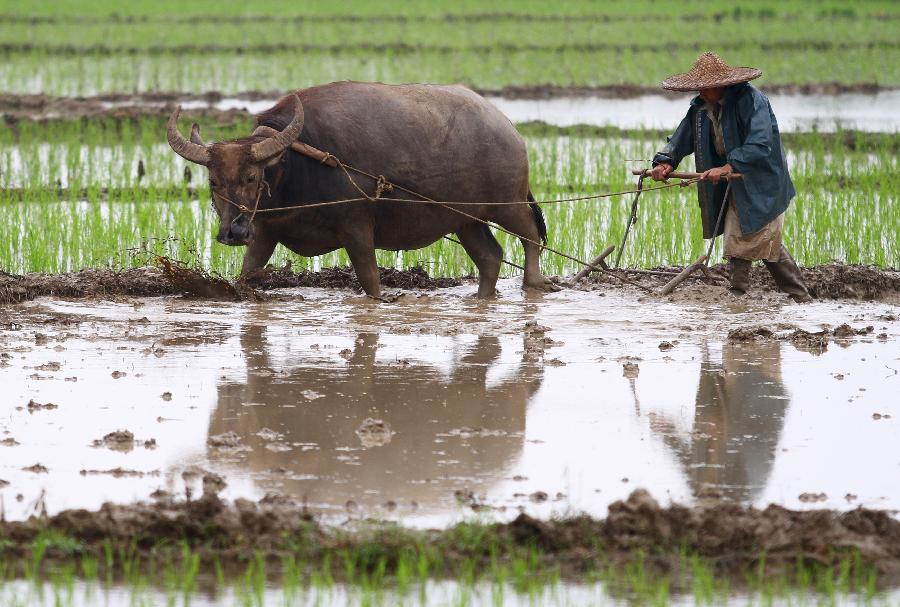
123	440
807	341
227	441
374	433
119	440
814	343
535	343
751	334
630	370
33	406
196	283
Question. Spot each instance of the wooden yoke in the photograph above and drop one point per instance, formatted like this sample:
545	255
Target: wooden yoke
300	147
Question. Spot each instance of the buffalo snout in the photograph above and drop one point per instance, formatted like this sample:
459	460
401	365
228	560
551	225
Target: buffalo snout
235	233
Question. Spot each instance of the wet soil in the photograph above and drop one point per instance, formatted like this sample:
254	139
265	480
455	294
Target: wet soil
734	538
172	278
829	281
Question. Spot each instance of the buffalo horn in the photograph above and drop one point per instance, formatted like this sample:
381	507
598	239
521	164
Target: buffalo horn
184	148
278	143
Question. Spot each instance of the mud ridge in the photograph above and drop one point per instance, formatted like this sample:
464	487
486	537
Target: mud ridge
732	537
172	278
827	281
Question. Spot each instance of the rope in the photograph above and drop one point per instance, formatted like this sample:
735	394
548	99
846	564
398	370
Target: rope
425	200
383	185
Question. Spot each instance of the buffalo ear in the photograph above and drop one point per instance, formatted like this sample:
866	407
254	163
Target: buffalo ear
195	134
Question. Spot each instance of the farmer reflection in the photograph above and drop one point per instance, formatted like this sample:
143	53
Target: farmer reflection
451	428
730	127
738	417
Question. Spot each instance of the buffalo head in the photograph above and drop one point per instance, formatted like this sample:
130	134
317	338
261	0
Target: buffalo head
236	170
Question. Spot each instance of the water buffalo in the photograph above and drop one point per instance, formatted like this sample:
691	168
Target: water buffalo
445	142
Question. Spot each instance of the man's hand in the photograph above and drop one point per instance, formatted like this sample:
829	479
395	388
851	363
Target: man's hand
717	173
661	172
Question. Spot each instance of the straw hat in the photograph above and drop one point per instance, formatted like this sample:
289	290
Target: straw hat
709	71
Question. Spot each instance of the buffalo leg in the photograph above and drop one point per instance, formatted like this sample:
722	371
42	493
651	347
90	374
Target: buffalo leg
361	249
485	251
520	221
258	253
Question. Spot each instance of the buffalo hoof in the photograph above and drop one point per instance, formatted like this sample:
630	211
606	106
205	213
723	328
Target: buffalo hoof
542	284
387	296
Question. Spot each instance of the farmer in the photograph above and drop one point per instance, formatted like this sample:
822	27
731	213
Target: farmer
730	127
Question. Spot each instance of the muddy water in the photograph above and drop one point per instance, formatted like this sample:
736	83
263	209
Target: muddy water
465	406
796	113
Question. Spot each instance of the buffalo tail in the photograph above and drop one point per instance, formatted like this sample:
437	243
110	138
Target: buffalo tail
538	217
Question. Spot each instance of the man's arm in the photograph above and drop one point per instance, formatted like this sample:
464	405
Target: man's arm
679	145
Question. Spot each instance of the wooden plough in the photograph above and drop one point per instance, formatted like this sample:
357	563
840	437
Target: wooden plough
702	262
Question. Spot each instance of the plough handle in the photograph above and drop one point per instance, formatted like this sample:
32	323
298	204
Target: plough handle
679	175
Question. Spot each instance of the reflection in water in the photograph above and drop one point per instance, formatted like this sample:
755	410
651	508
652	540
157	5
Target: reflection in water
318	405
738	417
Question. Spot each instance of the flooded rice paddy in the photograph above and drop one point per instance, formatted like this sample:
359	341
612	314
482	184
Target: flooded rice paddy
825	113
439	407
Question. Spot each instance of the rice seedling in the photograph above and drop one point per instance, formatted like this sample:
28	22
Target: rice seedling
40	72
106	216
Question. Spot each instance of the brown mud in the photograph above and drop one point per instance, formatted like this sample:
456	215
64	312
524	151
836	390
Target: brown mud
733	538
15	107
828	281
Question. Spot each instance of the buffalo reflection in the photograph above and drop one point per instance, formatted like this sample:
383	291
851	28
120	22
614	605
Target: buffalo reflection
318	406
738	418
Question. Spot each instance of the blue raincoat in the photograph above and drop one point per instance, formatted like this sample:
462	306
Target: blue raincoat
752	147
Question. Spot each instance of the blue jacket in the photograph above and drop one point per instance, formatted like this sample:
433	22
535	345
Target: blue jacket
752	147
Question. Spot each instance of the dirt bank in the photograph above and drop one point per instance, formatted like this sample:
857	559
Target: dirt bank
733	538
829	281
170	278
16	107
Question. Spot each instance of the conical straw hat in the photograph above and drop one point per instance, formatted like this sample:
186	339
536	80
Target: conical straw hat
709	71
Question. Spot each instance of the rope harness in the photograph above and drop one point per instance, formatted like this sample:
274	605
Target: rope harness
382	185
